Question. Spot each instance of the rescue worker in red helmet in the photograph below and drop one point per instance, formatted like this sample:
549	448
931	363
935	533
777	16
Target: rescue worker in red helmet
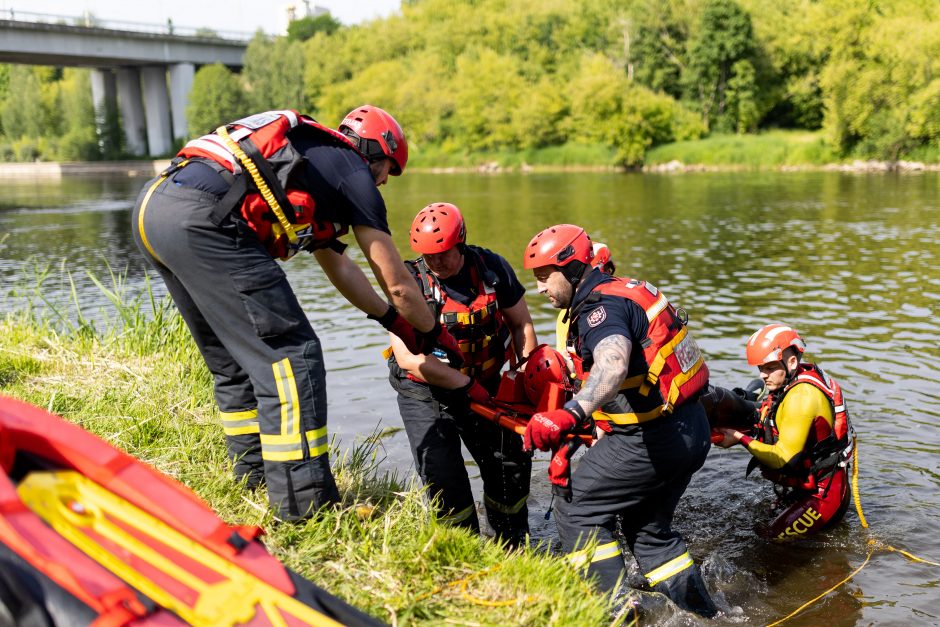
641	373
213	224
475	294
803	438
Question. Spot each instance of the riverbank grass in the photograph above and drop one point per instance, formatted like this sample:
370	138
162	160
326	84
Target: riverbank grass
139	383
773	149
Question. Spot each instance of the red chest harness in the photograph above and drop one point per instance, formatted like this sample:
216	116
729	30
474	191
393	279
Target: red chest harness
257	153
479	328
675	369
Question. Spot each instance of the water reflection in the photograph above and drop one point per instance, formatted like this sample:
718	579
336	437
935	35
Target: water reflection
850	260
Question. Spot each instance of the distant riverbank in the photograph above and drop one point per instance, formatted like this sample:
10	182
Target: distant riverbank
782	151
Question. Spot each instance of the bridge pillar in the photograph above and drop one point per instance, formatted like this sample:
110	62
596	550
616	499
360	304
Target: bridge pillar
104	98
132	110
181	83
157	110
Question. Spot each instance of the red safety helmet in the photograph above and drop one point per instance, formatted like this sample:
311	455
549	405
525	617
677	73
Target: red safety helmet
437	228
377	135
558	245
768	343
602	258
545	365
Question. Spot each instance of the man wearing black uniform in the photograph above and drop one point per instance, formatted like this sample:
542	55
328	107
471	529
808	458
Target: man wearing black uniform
476	295
641	374
212	224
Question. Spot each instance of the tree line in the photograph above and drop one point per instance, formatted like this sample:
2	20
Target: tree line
474	76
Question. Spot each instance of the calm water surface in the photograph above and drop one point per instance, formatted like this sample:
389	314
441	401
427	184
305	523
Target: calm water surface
850	260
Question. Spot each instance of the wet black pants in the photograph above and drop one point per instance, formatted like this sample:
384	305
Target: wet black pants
436	421
266	360
637	474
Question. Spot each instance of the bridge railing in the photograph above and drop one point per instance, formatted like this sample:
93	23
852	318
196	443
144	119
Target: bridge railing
89	20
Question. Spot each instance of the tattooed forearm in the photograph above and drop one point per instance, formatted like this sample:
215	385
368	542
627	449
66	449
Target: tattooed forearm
611	358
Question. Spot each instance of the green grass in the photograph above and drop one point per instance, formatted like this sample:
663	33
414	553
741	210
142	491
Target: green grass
138	382
766	150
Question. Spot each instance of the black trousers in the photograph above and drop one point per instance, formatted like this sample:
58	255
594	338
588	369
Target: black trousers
436	421
637	475
266	360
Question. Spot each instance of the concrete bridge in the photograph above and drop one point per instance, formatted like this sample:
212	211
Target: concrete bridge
148	75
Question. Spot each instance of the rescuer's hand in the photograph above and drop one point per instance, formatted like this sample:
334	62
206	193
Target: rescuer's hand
731	437
546	429
440	337
395	323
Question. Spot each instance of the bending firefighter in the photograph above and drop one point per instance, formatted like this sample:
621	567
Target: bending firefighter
641	374
214	223
475	294
803	438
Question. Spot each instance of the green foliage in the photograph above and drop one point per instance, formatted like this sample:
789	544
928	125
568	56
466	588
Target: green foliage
306	27
724	37
273	74
495	77
217	98
881	88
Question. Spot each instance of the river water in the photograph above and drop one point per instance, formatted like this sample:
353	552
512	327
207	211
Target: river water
850	260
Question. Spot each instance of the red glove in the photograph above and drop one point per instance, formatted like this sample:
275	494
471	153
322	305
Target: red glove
395	323
559	470
546	429
477	393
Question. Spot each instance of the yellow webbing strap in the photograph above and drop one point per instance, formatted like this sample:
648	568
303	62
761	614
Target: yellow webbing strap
81	511
266	193
652	376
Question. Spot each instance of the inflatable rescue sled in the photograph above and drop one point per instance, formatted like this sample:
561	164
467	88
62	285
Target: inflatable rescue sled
91	536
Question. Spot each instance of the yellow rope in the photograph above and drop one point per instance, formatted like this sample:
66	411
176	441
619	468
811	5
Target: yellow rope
858	500
873	545
871	550
266	193
462	585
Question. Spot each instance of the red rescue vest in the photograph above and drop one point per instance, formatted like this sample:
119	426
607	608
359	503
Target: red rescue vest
826	447
675	370
479	328
267	134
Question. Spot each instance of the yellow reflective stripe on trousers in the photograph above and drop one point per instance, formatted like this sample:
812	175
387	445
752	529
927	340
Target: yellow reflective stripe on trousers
288	448
598	554
670	568
140	219
240	422
457	517
504	509
287	392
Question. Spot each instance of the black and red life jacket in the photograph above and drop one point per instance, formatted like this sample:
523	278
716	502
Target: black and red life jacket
827	447
479	328
263	138
674	370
